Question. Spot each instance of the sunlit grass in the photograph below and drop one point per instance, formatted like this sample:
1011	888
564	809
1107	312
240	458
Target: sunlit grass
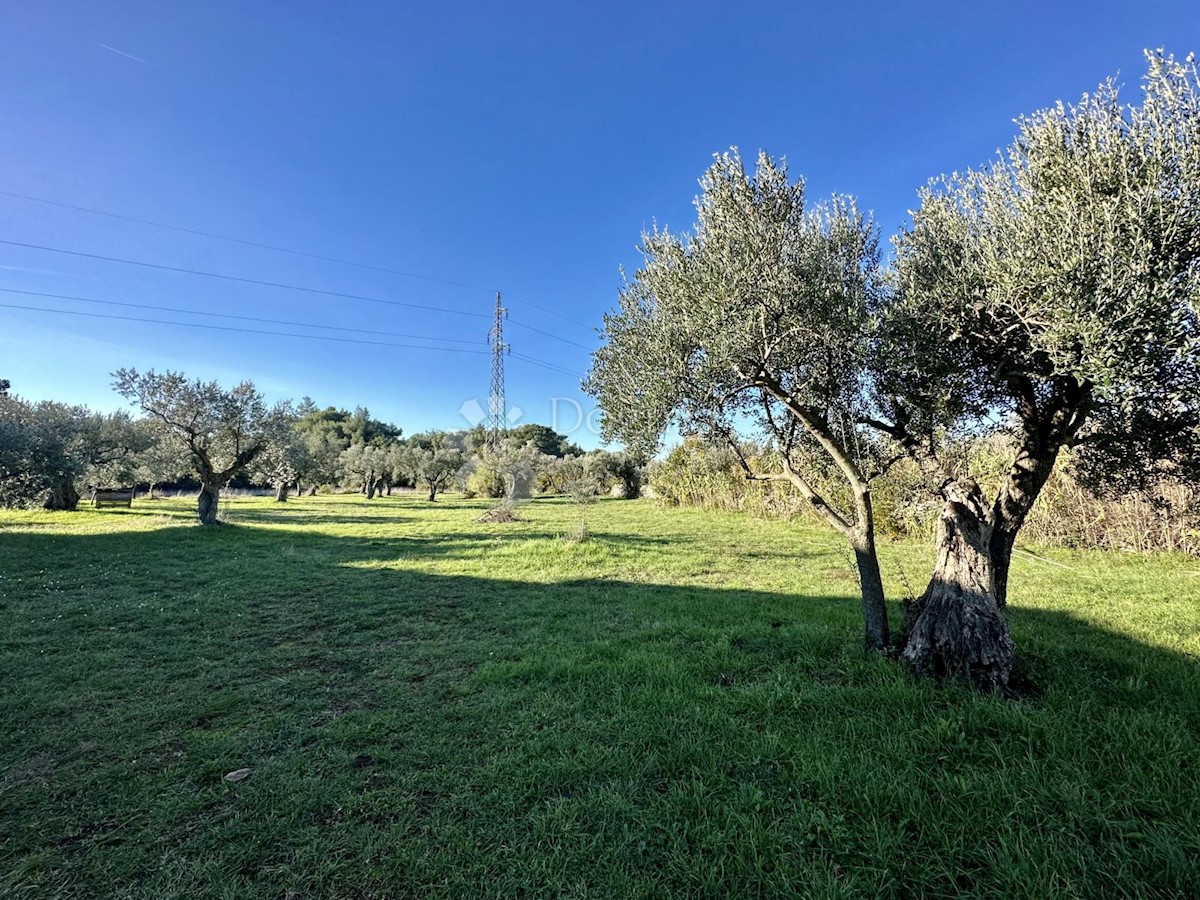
675	705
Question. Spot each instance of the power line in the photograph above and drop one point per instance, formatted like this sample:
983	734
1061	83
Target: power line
255	281
279	249
244	242
554	367
311	337
197	312
549	335
551	312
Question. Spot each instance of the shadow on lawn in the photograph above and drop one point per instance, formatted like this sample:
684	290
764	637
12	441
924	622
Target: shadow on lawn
304	581
306	656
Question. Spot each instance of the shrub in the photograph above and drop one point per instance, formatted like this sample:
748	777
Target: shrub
1164	518
485	481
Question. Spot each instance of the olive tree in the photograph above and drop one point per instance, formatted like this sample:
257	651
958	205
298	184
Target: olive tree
224	431
758	318
48	450
286	454
1055	290
624	469
363	466
435	469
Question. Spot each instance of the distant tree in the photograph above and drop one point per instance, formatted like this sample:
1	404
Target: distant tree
48	449
546	439
328	432
224	431
474	440
622	468
322	451
361	428
558	473
517	464
583	477
1058	290
440	440
483	479
434	469
363	466
286	454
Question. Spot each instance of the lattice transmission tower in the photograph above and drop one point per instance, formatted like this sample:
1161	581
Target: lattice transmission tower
497	416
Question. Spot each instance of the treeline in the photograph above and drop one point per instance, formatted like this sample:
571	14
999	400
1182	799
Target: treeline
1162	516
198	433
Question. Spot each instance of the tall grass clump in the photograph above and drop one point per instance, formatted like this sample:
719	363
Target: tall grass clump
1165	518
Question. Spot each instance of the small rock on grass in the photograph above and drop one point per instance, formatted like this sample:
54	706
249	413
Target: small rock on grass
237	775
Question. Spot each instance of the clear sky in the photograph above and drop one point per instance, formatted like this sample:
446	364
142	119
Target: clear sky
519	147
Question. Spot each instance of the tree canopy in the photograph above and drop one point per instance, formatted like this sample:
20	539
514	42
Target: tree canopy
47	449
224	431
1052	294
758	318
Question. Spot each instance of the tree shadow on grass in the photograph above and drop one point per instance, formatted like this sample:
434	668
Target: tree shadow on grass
659	732
283	515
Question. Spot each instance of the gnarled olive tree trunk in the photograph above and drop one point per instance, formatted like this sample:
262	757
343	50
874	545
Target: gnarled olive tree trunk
959	629
281	492
210	495
1030	471
63	495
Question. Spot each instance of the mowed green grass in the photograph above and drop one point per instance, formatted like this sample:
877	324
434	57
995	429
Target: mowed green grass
677	706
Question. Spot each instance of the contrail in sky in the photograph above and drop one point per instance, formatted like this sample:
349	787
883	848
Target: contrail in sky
130	56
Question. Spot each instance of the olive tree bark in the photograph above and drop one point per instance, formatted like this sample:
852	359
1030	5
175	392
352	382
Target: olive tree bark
211	479
958	626
874	604
281	492
959	629
1047	425
209	499
1029	473
63	495
432	492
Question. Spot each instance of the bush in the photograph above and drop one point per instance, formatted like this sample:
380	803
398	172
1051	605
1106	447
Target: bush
485	481
1166	518
699	474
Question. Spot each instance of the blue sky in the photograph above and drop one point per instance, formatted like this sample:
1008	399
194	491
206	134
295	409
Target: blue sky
519	147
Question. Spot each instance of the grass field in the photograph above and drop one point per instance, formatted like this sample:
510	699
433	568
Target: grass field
677	706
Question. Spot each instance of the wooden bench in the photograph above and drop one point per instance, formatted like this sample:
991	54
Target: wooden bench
112	497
